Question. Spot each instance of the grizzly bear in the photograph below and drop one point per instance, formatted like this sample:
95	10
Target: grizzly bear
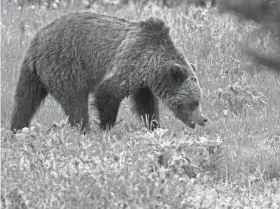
113	58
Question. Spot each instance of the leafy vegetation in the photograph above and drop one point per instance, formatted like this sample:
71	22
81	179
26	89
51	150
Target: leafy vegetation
233	162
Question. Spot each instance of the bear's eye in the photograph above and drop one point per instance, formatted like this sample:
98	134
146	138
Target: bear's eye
194	104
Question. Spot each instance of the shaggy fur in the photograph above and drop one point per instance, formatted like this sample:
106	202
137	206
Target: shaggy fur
113	58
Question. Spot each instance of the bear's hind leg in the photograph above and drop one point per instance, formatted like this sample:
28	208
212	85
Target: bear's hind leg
146	105
76	108
30	92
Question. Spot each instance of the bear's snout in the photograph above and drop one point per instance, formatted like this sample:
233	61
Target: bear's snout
198	118
205	120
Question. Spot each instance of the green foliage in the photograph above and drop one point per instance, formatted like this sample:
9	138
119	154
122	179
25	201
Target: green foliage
231	163
239	98
55	4
60	168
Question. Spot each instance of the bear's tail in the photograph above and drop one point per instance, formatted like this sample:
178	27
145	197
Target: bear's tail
29	94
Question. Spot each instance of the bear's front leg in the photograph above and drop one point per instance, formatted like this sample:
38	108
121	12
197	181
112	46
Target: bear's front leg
107	101
146	105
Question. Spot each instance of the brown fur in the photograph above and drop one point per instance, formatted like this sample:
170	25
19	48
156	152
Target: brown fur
111	57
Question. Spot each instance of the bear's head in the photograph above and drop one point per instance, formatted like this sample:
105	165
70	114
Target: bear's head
172	78
179	88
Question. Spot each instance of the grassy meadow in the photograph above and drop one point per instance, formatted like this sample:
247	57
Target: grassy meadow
232	162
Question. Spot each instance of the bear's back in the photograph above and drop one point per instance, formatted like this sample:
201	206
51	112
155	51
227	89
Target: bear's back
75	42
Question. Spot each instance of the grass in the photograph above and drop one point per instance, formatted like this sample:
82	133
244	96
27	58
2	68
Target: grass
231	163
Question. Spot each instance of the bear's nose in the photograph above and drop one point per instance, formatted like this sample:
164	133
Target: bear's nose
205	120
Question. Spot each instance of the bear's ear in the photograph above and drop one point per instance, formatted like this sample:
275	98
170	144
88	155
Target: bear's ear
193	67
177	73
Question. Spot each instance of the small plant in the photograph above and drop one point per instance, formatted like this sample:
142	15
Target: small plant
239	98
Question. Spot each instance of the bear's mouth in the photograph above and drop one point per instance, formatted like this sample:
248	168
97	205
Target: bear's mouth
188	121
191	124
